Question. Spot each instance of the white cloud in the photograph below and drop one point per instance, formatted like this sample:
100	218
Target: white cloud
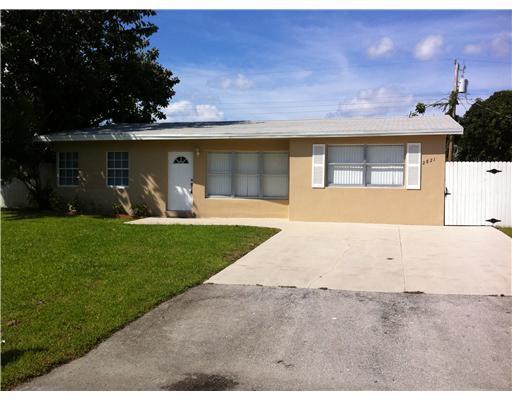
186	111
377	101
238	82
242	83
383	47
472	49
428	47
500	45
301	74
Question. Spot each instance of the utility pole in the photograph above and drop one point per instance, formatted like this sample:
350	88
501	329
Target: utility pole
453	106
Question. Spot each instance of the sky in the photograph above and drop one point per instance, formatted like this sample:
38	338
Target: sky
262	65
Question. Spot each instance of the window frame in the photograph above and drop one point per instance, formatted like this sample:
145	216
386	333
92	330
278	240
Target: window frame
365	164
107	169
58	170
232	173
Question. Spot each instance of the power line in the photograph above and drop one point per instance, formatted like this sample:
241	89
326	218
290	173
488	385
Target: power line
356	103
326	110
421	96
351	107
335	108
486	61
348	107
430	95
463	105
344	68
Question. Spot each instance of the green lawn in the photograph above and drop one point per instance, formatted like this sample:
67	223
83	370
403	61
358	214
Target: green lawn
506	231
69	282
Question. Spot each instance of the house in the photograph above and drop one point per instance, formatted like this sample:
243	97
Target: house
377	170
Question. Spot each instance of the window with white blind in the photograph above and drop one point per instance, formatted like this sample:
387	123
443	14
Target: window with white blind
117	168
274	175
219	174
366	165
68	169
246	174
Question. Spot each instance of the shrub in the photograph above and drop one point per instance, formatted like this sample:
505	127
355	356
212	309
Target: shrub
74	205
56	202
117	208
41	197
140	210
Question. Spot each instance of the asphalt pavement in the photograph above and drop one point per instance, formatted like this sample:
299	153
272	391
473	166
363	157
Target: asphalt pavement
236	337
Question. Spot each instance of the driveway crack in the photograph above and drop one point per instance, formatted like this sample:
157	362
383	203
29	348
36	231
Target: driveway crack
336	265
401	255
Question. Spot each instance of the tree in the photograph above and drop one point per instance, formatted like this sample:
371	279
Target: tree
487	130
65	70
418	110
447	105
487	127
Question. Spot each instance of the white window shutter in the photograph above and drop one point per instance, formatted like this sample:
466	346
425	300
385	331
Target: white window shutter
413	165
318	166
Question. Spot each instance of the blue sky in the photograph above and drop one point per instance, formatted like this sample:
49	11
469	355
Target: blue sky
326	64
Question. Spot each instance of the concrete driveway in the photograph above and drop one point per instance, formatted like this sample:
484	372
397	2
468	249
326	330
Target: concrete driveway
371	257
247	337
263	338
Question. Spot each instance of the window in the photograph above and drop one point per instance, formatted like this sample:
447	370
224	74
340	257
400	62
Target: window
366	165
117	168
250	175
219	174
68	169
345	165
246	175
385	165
180	160
275	175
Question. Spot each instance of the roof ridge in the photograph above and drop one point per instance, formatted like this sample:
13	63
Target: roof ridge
388	126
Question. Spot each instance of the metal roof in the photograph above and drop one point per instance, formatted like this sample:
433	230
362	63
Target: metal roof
423	125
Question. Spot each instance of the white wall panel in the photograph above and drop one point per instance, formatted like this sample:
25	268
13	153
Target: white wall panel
476	195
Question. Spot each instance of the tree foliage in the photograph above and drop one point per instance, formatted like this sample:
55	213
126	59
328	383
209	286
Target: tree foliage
487	130
418	110
65	70
447	105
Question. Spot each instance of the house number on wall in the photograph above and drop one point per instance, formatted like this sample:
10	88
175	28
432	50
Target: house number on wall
428	161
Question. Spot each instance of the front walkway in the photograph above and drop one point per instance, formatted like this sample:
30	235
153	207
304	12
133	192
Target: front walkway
370	257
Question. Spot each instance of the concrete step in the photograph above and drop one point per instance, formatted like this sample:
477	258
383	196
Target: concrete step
180	214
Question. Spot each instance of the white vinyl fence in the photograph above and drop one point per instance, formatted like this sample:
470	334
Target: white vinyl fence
478	193
15	194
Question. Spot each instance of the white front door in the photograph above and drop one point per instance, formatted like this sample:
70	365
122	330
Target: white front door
181	173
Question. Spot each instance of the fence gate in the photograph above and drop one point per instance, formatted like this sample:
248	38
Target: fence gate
478	193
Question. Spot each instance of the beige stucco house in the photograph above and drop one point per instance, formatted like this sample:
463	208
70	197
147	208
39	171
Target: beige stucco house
378	170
